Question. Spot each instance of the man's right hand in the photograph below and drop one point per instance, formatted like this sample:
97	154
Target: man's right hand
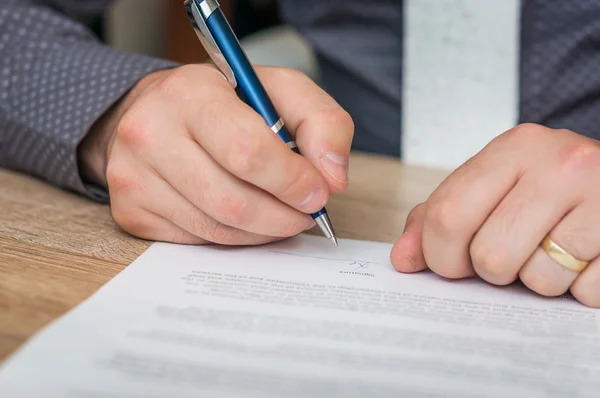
186	161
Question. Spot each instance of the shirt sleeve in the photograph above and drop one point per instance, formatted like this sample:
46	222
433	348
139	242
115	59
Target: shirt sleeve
56	81
359	48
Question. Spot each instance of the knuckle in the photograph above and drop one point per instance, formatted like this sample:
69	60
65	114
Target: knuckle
194	70
443	219
337	117
133	131
245	156
206	80
130	222
120	180
177	83
233	211
526	132
579	157
489	264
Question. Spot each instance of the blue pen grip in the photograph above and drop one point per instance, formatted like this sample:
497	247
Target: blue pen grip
249	87
285	136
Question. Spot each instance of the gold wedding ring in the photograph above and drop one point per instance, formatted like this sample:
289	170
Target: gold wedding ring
559	255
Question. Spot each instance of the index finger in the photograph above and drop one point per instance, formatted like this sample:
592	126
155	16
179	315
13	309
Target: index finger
322	129
239	140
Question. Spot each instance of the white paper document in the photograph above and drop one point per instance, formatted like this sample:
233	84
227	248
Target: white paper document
301	318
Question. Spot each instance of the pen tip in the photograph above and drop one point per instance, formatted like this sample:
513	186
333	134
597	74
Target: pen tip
334	240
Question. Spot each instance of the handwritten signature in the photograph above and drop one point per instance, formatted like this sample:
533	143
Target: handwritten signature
357	264
360	264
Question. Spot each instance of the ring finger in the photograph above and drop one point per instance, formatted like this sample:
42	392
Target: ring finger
575	234
513	231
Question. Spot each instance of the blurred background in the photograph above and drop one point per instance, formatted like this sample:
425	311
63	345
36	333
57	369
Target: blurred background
160	28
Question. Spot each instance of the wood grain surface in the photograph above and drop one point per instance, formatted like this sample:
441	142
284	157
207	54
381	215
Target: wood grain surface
58	248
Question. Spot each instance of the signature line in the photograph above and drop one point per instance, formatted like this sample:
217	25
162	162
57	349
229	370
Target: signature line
322	258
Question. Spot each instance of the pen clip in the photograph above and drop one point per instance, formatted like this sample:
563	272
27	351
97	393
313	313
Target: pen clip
198	12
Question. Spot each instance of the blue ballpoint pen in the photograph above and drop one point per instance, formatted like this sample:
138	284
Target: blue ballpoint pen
223	47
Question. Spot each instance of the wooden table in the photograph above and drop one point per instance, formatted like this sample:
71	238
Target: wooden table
57	248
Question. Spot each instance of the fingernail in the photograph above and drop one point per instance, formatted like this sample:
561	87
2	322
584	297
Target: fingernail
314	201
336	166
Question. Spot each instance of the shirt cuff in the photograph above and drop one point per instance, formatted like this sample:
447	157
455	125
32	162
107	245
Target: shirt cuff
60	98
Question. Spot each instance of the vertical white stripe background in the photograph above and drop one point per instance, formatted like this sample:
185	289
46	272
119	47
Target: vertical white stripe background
460	86
460	83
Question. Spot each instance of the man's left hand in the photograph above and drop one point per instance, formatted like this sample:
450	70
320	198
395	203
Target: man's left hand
491	215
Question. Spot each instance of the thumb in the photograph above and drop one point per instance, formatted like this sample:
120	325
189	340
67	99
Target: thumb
322	129
407	253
